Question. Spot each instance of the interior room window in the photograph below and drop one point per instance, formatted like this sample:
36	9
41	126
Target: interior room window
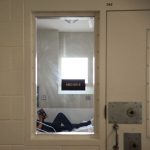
74	68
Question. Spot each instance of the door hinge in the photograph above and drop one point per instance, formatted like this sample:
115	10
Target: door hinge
105	112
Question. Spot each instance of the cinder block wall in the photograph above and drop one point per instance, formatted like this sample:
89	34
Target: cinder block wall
11	75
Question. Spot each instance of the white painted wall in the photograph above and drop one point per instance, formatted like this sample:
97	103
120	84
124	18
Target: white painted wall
51	47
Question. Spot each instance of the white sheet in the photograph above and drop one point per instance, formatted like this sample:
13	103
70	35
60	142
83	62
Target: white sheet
88	128
85	130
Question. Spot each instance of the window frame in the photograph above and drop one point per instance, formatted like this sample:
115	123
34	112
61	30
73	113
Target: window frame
59	138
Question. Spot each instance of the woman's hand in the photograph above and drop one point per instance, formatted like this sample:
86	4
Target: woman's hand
41	118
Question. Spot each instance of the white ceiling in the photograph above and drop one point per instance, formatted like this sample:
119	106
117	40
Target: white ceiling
81	24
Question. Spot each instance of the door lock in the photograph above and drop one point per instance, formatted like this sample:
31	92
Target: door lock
125	112
131	112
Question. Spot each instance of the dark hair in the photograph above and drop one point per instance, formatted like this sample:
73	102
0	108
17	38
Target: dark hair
42	113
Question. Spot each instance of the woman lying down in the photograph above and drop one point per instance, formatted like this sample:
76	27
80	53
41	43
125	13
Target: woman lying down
60	123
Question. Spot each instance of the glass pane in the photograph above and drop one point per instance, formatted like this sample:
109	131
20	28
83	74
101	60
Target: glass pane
65	64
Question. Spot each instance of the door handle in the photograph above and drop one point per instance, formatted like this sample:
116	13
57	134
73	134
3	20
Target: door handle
116	146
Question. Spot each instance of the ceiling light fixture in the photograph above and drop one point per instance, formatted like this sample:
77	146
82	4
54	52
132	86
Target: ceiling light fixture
70	19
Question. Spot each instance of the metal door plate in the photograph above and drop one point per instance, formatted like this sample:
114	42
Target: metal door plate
125	112
132	141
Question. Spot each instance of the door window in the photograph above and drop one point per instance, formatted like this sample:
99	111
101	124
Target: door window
65	74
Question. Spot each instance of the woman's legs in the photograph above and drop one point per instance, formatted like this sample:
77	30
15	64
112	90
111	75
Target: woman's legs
62	119
67	125
82	124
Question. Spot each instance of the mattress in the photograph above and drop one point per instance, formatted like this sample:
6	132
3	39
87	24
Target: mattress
82	130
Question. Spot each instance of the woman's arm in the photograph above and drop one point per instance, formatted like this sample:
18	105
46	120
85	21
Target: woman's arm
41	120
39	126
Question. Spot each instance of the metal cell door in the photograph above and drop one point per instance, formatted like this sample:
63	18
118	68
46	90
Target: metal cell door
128	80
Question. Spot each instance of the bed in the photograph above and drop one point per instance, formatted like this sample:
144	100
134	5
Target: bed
75	115
82	130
